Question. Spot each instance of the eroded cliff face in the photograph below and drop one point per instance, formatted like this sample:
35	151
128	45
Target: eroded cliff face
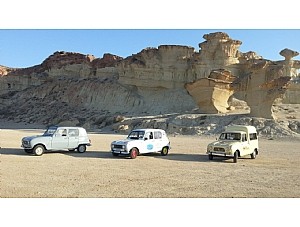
60	65
212	93
257	81
165	80
165	66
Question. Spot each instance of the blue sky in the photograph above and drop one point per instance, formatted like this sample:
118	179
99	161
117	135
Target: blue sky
28	47
30	32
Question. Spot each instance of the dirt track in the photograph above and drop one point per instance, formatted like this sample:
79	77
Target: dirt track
185	172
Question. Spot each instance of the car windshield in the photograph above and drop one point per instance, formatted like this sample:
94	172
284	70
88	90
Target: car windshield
49	131
230	136
135	135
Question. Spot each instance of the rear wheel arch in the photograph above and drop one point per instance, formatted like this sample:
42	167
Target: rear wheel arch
253	155
81	148
165	150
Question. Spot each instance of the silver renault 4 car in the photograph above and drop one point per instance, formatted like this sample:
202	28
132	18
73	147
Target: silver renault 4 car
57	138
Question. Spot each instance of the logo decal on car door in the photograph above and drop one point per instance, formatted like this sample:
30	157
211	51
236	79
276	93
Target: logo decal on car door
149	146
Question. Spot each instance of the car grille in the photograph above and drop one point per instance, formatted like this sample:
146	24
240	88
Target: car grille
118	146
219	149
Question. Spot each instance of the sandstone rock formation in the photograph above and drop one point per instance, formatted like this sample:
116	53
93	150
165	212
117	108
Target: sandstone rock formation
219	49
168	80
257	81
212	93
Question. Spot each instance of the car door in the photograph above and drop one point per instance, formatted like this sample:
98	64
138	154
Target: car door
245	145
73	135
148	143
158	141
60	139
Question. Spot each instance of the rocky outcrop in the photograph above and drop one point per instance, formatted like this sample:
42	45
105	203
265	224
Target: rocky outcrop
259	82
263	82
165	66
292	94
212	93
3	71
219	50
60	65
171	79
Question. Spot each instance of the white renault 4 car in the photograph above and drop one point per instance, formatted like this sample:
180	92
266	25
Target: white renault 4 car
57	138
236	141
141	141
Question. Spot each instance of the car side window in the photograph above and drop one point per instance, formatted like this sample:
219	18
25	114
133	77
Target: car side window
73	132
149	135
61	132
64	133
253	136
157	135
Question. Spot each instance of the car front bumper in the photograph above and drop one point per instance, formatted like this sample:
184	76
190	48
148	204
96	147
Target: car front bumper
220	153
26	146
120	151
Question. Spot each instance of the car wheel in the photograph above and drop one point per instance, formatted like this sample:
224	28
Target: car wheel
253	155
28	151
210	156
164	151
38	150
235	157
133	153
81	148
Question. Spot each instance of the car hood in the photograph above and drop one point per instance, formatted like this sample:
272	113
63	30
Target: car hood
223	143
29	138
121	142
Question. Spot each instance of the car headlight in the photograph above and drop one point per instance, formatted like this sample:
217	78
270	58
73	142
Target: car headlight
209	148
123	146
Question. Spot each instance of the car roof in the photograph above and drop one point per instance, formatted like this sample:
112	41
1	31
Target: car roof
67	127
233	132
238	128
148	129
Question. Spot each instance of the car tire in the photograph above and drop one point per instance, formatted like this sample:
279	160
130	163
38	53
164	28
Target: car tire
253	155
28	151
164	151
133	153
235	157
81	148
210	157
38	150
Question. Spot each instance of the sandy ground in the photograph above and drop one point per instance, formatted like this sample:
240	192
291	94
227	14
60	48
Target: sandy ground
185	173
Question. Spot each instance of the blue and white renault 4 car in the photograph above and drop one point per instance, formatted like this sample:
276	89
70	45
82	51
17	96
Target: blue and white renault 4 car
141	141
